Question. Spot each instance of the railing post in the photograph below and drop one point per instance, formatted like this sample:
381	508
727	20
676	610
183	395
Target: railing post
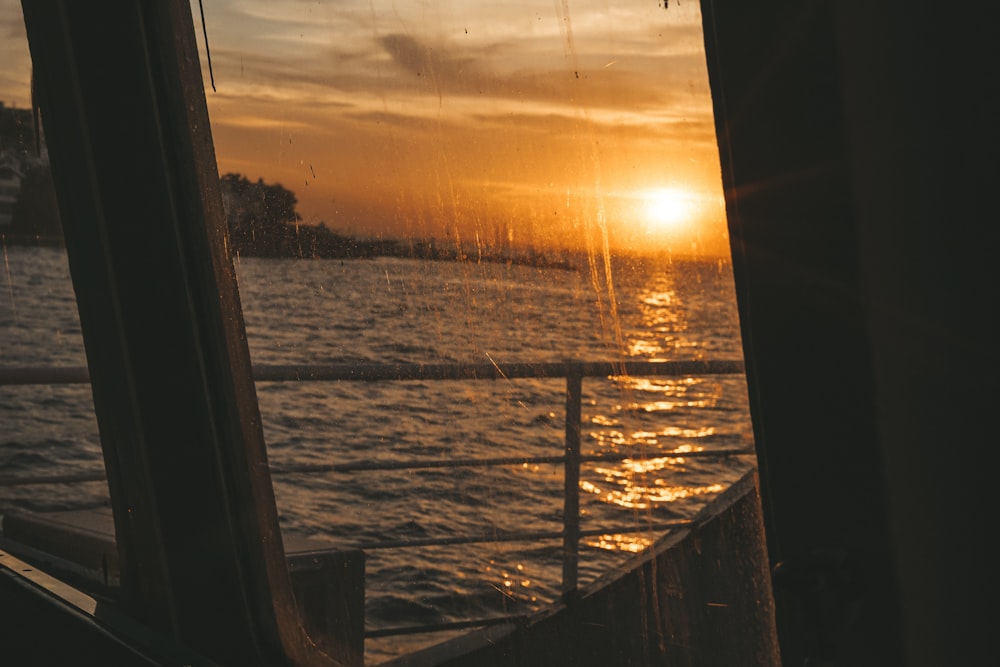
571	497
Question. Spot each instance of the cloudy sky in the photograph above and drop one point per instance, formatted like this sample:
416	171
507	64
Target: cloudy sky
544	123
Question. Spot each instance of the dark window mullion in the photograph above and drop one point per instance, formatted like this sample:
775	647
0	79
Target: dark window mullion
131	153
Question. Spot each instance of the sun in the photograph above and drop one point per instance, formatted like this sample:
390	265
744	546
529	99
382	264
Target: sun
667	209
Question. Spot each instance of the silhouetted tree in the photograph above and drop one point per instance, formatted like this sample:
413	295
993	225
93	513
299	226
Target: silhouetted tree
263	222
261	217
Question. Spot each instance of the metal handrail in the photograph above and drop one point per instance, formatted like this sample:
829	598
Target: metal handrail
376	372
572	457
507	536
514	619
371	466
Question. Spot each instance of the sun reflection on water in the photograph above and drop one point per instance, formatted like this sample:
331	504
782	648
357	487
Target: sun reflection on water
669	386
664	322
633	486
628	543
514	586
651	429
657	482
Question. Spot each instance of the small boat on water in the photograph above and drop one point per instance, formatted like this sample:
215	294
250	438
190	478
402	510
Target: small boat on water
846	117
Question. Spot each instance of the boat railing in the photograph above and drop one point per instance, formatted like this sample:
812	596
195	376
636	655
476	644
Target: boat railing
573	372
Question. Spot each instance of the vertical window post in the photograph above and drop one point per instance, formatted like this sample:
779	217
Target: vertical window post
123	104
571	506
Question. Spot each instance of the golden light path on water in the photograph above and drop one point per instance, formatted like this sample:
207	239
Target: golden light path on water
655	414
662	311
512	583
641	484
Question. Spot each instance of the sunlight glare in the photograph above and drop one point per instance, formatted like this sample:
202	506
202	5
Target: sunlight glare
667	208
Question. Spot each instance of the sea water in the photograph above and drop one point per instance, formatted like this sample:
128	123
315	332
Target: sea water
389	310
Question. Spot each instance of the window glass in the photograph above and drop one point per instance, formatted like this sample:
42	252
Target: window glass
436	189
493	184
50	454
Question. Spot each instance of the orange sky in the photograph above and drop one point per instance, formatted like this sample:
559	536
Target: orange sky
534	123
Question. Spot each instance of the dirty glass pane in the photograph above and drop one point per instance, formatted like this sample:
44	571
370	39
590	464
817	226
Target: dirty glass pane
457	184
50	454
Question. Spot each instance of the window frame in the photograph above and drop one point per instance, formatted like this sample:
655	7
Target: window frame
121	96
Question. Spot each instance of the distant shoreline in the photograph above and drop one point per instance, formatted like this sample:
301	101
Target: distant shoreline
567	260
351	248
262	222
354	249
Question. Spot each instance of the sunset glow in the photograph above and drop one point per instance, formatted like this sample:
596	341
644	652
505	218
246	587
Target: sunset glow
512	123
668	209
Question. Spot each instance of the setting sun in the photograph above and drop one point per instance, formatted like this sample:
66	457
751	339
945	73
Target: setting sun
667	209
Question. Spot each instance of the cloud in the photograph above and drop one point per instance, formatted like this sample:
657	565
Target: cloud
516	57
408	122
419	58
255	122
427	112
446	70
650	129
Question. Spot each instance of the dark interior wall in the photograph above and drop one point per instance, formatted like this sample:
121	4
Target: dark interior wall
858	143
36	630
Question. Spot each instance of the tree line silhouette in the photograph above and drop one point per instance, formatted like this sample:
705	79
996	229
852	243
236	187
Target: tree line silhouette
261	217
263	222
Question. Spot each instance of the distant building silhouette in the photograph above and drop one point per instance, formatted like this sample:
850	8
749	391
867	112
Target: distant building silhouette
10	190
28	211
